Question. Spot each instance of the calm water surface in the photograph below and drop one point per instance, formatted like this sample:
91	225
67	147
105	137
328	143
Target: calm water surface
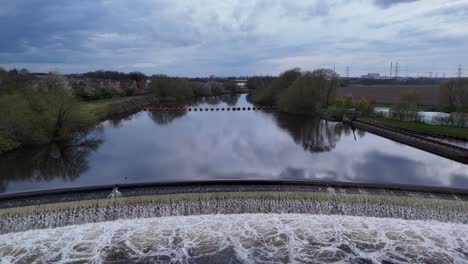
154	146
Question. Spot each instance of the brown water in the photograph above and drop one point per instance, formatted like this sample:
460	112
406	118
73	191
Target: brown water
153	146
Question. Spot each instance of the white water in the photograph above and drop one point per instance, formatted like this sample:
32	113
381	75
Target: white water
245	238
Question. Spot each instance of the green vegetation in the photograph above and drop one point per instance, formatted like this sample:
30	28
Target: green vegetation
39	117
99	108
422	127
171	87
43	113
180	89
268	94
347	102
45	108
299	92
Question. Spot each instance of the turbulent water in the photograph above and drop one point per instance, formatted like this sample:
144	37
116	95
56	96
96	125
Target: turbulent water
245	238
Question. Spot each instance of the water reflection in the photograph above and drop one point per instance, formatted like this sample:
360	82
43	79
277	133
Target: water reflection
229	99
312	133
67	161
117	120
165	118
177	146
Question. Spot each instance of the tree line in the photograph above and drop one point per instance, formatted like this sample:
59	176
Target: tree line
298	92
177	88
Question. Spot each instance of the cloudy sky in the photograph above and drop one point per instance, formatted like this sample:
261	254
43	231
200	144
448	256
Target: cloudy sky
237	37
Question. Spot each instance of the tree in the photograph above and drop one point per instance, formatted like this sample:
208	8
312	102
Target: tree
171	87
37	116
454	95
201	90
55	82
302	97
327	82
269	94
137	76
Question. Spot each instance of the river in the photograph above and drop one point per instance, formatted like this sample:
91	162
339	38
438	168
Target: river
153	146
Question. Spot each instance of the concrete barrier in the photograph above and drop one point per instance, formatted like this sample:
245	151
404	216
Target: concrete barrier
440	148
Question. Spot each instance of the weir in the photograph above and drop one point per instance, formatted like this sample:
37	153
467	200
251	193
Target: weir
81	206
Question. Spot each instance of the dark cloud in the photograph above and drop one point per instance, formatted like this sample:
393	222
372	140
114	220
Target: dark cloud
389	3
241	37
59	31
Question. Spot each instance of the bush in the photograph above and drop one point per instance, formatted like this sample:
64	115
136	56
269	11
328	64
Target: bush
340	102
363	105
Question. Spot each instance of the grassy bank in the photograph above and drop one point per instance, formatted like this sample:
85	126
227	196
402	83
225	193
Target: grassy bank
100	108
428	128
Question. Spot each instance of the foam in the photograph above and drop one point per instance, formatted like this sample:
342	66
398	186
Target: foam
242	238
18	219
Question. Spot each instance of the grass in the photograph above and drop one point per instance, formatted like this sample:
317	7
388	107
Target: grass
443	130
98	107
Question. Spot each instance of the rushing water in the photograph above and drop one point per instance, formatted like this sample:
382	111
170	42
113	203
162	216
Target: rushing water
247	238
153	146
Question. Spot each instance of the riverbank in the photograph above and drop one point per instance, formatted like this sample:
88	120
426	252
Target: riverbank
426	128
103	109
97	111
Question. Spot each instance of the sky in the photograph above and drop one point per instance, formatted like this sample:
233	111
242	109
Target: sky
237	37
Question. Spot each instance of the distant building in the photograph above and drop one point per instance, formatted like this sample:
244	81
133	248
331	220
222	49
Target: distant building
371	76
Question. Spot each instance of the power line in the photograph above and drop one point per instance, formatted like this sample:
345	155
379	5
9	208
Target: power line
347	71
396	70
459	74
391	69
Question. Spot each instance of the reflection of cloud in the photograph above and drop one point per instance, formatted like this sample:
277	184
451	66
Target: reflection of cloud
377	166
250	145
459	180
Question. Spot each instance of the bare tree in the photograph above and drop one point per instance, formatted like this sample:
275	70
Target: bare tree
57	82
454	94
328	82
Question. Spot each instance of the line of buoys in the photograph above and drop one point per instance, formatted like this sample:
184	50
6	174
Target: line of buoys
195	109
